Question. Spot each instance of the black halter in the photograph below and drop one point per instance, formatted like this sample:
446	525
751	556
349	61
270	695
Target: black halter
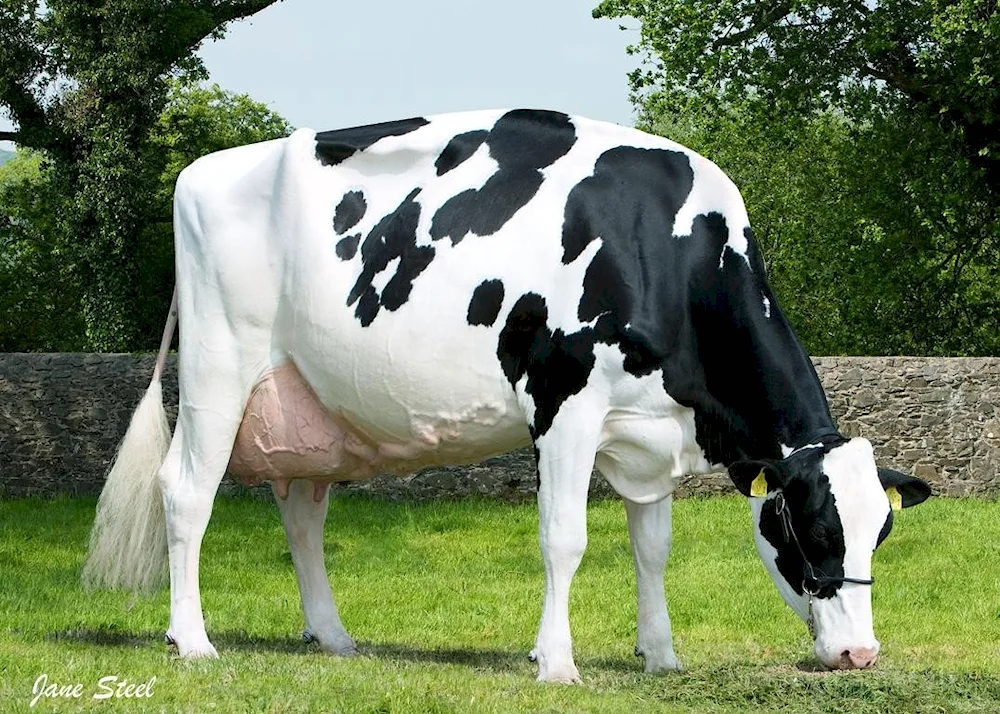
813	579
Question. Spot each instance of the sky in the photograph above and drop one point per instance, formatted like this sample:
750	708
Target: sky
327	64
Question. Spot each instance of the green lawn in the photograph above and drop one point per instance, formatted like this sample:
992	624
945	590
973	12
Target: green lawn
444	599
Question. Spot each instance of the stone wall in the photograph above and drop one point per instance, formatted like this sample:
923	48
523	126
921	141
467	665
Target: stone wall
937	418
61	416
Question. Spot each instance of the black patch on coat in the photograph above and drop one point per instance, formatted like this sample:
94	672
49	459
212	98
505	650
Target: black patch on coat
538	473
522	142
648	186
395	236
886	529
485	304
557	365
459	149
347	248
815	519
691	307
368	306
349	212
333	147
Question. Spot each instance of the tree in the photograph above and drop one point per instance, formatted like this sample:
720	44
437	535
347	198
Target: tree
197	121
85	82
40	285
859	265
868	133
939	58
39	290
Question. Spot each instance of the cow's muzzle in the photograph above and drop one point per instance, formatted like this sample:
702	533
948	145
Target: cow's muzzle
857	658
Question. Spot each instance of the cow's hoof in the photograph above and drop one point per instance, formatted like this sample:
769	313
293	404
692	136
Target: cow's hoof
340	648
566	678
202	650
667	665
201	653
564	673
666	662
340	644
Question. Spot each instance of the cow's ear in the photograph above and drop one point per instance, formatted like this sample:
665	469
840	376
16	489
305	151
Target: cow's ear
756	479
902	489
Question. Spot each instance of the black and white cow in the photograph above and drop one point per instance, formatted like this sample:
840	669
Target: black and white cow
437	291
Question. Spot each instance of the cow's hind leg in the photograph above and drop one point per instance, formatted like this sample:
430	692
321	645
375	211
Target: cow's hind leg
188	492
649	527
213	395
303	518
565	461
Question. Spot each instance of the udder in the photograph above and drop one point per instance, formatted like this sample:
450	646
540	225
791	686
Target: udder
287	433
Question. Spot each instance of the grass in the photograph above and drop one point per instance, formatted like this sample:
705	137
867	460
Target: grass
444	599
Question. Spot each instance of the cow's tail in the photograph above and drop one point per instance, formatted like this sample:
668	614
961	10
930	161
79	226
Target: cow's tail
128	543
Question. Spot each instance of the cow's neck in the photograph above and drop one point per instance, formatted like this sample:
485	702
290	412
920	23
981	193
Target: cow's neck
782	405
761	395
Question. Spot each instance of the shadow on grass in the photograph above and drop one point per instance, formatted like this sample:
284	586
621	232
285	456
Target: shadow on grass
103	637
238	641
497	660
811	665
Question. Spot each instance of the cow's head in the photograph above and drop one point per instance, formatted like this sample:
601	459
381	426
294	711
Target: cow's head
818	516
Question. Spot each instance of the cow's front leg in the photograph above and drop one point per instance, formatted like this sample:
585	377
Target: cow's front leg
649	527
303	518
565	461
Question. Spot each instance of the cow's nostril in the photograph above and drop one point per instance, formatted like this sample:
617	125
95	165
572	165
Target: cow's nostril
845	660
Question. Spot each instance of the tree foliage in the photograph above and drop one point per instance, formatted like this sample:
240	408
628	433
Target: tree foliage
39	289
940	58
865	256
42	284
85	82
865	137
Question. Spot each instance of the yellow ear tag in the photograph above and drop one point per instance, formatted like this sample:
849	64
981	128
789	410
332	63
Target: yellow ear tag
758	487
895	498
